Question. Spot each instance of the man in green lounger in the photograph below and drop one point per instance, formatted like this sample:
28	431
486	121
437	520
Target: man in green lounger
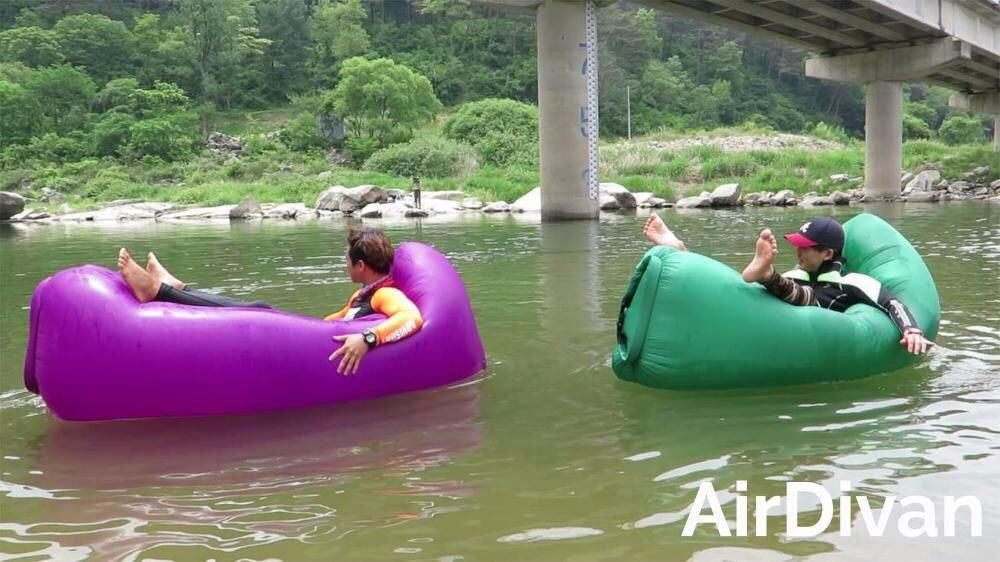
818	280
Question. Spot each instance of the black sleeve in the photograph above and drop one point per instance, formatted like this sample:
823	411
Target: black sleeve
897	311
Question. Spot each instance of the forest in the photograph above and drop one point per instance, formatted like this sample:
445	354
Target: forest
137	86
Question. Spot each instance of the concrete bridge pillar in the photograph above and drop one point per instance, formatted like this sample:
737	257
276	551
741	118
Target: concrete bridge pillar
883	73
567	114
996	133
883	138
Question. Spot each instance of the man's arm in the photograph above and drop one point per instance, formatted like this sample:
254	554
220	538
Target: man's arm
403	316
788	290
897	311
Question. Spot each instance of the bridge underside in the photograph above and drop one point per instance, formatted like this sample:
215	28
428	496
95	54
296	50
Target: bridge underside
843	27
877	43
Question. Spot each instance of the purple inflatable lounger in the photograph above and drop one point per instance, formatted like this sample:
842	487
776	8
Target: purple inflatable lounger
95	353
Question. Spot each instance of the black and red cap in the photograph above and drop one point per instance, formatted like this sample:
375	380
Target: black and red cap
820	231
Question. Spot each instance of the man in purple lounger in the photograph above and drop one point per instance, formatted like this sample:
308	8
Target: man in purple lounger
369	262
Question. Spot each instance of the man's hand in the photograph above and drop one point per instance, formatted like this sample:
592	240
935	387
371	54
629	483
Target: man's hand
352	352
915	342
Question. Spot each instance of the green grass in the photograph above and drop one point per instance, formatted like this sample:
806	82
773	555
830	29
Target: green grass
210	179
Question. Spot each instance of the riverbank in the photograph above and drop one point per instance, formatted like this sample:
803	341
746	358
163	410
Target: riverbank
738	166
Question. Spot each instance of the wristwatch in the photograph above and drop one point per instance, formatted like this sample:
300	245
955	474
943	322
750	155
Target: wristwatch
370	338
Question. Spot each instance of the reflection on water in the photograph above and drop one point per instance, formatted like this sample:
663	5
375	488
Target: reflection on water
548	456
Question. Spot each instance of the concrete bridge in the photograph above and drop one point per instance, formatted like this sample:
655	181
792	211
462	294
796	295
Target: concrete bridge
877	43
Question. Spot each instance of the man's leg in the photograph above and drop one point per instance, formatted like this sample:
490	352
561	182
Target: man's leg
190	297
143	285
154	268
762	265
148	288
658	233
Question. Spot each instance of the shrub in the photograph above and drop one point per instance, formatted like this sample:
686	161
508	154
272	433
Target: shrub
502	131
361	149
302	133
51	147
165	138
428	156
474	121
502	148
961	129
915	128
112	134
829	132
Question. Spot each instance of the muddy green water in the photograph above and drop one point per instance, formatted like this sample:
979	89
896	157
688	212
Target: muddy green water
546	456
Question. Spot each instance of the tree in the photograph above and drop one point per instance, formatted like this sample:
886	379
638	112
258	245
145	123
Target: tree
283	24
32	46
115	94
224	36
21	113
67	92
376	97
100	45
337	32
915	127
165	54
961	129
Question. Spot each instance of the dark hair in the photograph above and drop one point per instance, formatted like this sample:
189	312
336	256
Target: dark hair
372	246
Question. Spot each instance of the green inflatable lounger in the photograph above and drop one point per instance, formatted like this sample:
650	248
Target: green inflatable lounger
690	322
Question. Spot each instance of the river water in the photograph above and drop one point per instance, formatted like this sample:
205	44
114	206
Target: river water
546	455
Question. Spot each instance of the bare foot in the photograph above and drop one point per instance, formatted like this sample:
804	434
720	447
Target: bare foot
658	233
160	273
762	264
143	286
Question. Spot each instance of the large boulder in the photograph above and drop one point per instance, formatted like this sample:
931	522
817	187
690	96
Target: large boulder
907	176
441	206
222	143
247	208
782	197
472	204
372	211
977	172
10	204
120	213
726	195
623	196
200	213
923	197
658	203
607	202
530	202
642	198
289	211
30	215
752	199
394	195
816	201
924	181
840	198
497	207
330	199
417	213
451	195
357	197
697	201
959	187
